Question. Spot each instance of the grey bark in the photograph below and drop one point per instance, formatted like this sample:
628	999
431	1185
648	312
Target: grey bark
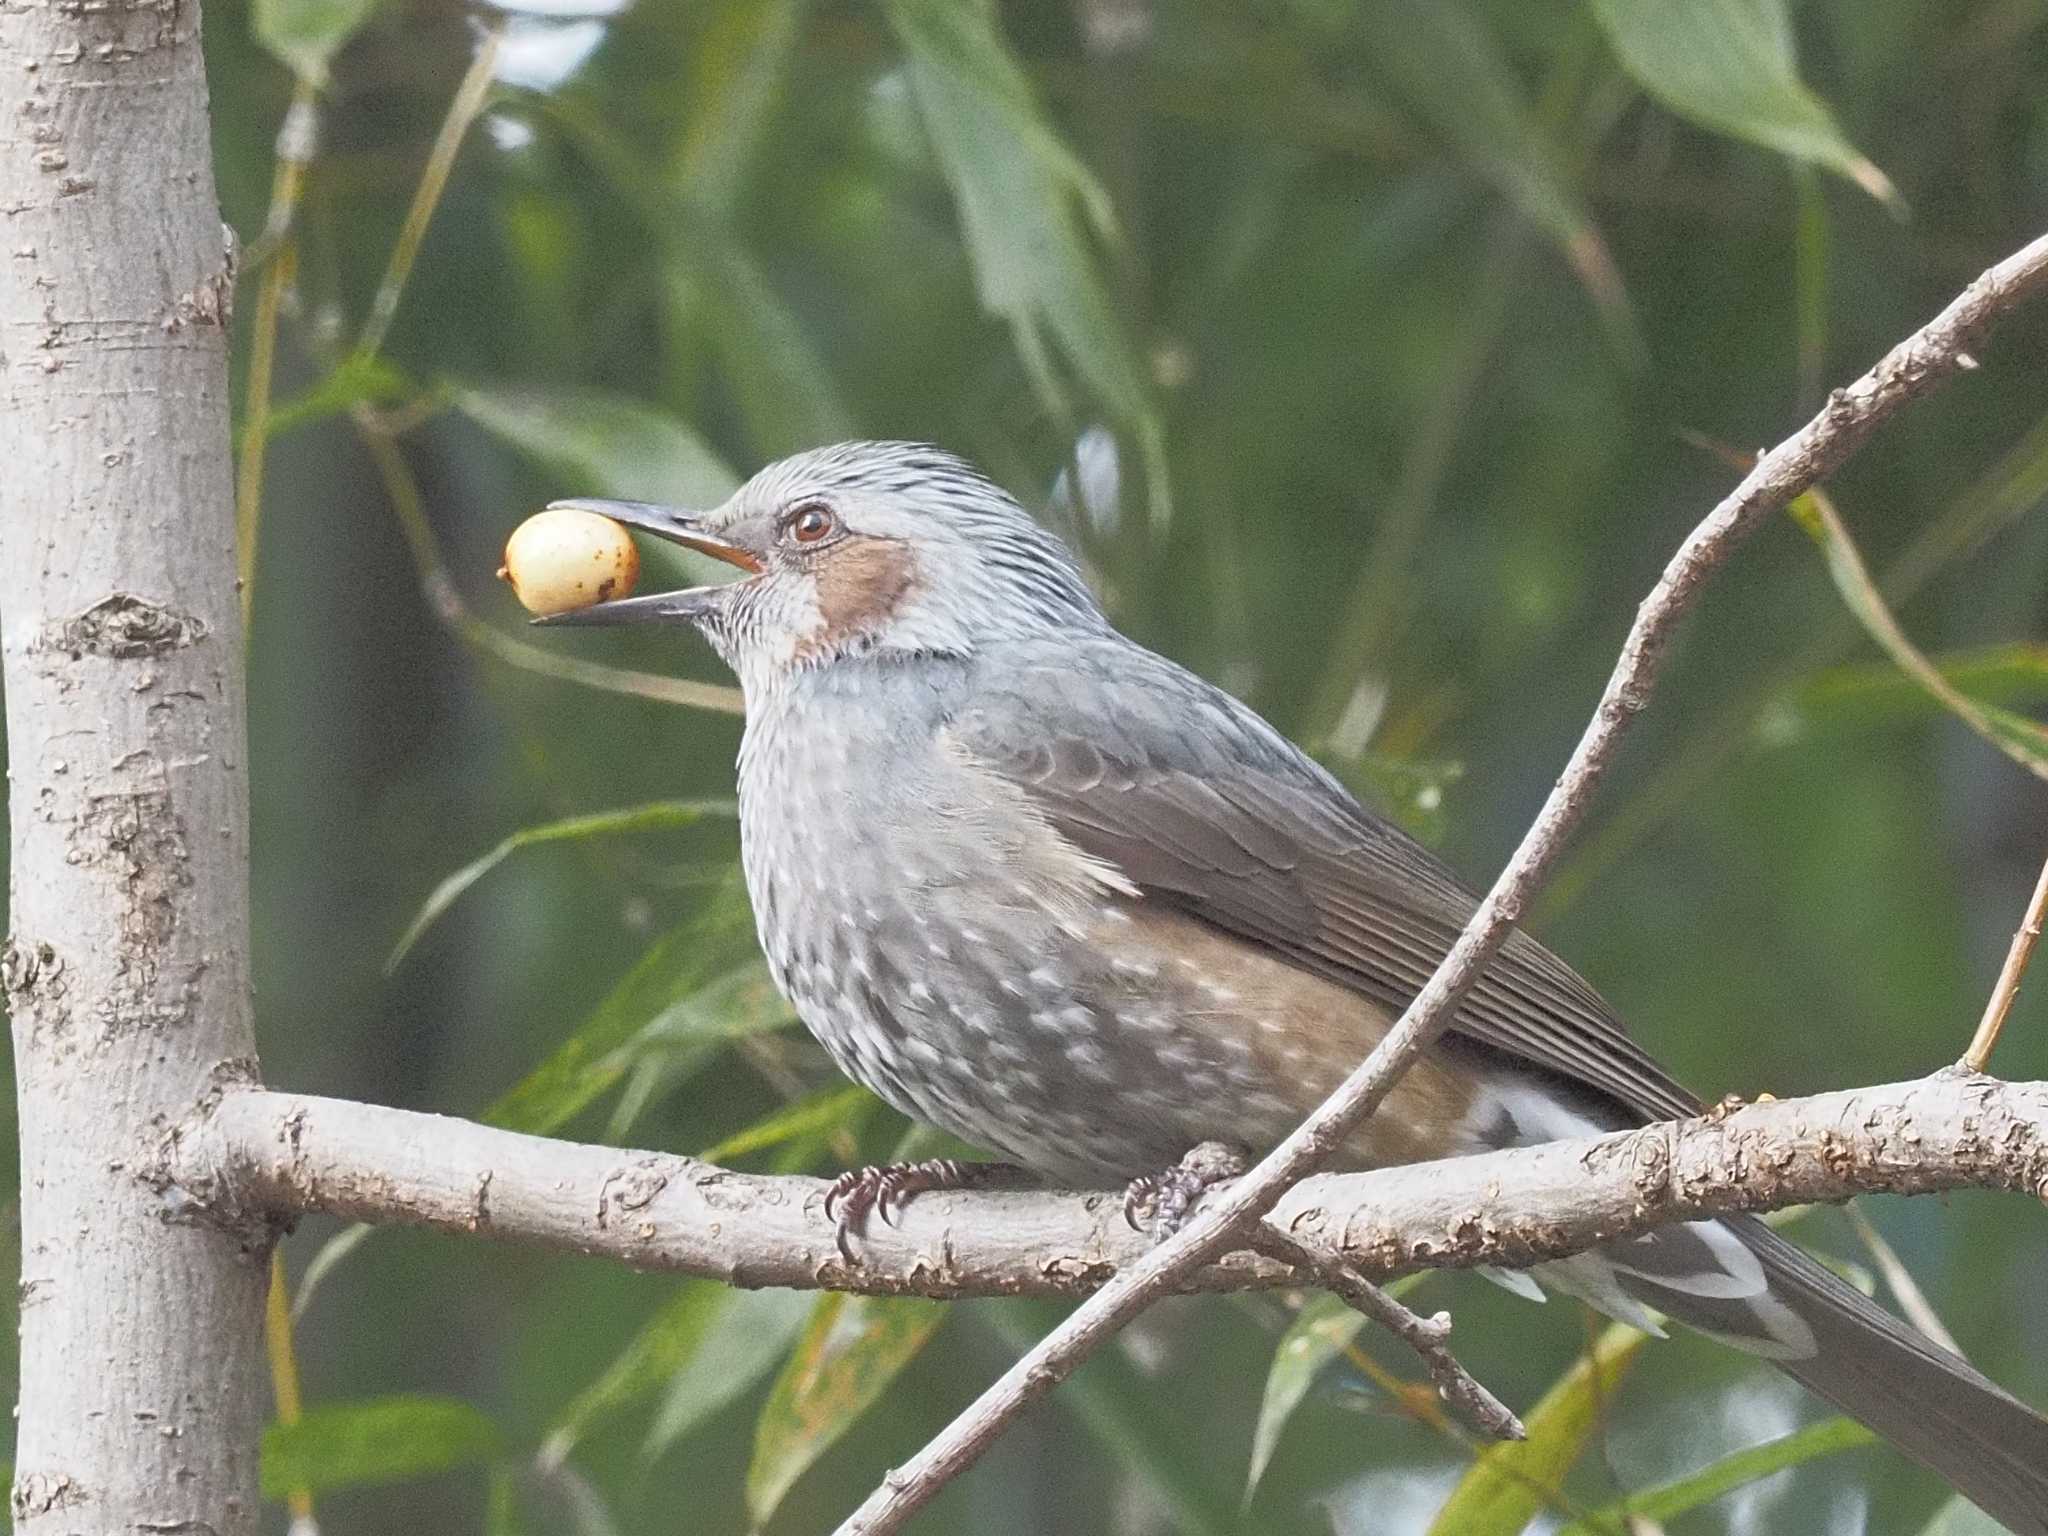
252	1152
127	967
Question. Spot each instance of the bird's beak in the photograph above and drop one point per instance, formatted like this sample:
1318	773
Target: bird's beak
678	527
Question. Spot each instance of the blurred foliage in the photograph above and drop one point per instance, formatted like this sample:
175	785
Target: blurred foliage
1361	346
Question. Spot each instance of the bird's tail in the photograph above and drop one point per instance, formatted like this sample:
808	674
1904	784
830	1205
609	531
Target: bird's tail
1739	1282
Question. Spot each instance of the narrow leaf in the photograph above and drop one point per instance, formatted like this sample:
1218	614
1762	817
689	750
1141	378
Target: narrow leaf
1728	65
358	379
1025	203
679	1040
754	1333
1877	692
1666	1501
305	35
2023	740
609	445
590	1061
707	1343
820	1113
1320	1332
774	368
1449	71
852	1348
733	87
376	1440
1510	1483
658	815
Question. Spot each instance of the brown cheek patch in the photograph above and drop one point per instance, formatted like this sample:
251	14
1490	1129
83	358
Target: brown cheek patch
860	586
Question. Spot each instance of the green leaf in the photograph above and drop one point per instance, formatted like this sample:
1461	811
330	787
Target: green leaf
2023	740
1449	71
593	1058
1023	198
360	378
1729	65
1506	1487
734	85
1872	693
609	444
376	1440
777	373
1320	1332
682	1037
816	1115
305	35
852	1348
755	1332
657	815
1667	1501
707	1343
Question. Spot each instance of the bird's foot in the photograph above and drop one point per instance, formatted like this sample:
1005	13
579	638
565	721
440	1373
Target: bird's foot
860	1192
1171	1194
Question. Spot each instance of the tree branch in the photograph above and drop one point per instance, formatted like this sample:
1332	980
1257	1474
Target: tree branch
1936	352
257	1155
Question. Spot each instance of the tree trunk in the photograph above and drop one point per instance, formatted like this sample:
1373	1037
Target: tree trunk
127	969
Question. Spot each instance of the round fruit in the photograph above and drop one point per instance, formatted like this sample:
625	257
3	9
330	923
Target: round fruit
562	559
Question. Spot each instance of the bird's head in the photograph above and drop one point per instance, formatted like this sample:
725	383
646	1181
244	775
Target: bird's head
859	549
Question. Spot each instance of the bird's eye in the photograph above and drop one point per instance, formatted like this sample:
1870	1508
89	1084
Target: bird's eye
810	524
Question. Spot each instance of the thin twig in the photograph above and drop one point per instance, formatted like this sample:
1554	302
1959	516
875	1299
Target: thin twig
462	111
1929	357
1904	1288
1427	1336
1978	1056
284	1379
275	254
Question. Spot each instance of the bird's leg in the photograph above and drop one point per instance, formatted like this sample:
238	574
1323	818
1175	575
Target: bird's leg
874	1189
1170	1195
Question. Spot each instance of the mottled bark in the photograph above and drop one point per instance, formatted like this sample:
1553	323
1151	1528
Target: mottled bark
127	967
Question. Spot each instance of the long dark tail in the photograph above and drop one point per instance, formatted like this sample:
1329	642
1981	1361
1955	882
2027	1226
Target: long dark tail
1740	1282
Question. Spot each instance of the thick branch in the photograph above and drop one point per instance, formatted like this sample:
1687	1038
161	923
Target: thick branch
260	1153
1936	352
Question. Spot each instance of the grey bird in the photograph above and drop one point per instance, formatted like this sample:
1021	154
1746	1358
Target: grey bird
1042	888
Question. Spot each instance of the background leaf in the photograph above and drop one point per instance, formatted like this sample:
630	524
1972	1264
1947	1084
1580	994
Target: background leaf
1513	1481
2024	741
305	35
587	1062
1022	197
1729	65
378	1440
851	1349
1682	1495
1320	1333
606	444
658	815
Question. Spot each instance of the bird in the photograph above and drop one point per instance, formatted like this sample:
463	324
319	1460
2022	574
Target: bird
1049	891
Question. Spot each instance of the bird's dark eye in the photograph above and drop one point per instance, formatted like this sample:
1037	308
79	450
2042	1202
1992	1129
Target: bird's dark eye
810	524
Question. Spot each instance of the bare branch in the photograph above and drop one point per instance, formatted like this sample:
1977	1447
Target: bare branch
1933	354
1429	1337
2007	986
269	1154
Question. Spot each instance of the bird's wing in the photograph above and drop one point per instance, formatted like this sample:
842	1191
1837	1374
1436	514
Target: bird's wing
1202	804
